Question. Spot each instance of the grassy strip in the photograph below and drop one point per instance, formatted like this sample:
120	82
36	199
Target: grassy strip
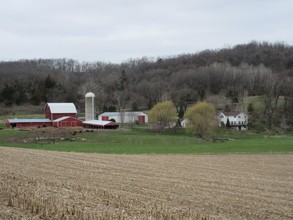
141	141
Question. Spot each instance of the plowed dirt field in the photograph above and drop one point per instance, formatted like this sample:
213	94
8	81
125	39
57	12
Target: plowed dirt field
38	184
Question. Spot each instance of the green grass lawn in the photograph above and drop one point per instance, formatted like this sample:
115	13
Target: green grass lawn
142	141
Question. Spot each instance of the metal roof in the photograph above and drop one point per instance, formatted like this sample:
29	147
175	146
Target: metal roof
62	107
29	120
65	117
97	122
61	119
122	113
90	94
231	113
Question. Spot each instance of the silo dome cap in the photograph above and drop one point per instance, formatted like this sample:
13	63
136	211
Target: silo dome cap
90	94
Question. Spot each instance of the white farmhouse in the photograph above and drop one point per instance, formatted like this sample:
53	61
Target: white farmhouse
124	117
237	120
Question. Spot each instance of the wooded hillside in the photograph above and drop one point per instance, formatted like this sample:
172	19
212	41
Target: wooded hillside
225	77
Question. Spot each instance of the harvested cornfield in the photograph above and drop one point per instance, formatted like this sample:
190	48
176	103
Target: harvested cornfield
54	185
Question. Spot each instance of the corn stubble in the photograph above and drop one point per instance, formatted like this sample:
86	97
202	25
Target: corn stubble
52	200
52	185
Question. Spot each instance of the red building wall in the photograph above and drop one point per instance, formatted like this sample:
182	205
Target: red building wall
47	112
60	115
30	124
68	122
105	118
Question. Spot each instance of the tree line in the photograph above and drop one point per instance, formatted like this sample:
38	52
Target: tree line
259	69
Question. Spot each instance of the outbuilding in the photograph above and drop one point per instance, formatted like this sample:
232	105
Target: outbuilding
20	123
67	121
54	111
98	124
124	117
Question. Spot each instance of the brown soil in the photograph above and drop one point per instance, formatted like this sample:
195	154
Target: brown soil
38	184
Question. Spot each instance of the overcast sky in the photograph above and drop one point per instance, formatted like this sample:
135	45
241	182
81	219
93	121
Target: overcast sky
117	30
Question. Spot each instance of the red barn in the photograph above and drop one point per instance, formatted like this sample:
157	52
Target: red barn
20	123
67	121
54	111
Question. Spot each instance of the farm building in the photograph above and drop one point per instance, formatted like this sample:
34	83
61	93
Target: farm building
56	114
20	123
124	117
67	121
237	120
100	124
90	106
65	115
54	111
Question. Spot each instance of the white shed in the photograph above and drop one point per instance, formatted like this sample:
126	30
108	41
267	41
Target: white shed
124	117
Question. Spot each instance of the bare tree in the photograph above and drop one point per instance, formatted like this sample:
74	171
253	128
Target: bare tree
270	98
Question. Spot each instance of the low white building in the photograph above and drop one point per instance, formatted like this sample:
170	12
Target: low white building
124	117
237	120
98	124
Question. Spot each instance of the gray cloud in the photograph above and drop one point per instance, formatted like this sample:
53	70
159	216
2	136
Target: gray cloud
114	31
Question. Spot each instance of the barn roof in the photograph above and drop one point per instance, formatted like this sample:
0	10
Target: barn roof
62	107
99	123
29	120
231	113
64	118
61	119
96	122
120	113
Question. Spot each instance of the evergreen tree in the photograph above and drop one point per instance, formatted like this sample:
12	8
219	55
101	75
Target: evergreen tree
228	125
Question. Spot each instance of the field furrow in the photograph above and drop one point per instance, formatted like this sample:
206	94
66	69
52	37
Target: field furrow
37	184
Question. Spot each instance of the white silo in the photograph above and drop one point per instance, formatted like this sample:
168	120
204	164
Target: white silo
90	106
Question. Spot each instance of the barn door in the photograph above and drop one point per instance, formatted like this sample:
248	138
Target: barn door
105	118
141	119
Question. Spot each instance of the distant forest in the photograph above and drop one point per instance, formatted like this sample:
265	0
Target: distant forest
224	77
